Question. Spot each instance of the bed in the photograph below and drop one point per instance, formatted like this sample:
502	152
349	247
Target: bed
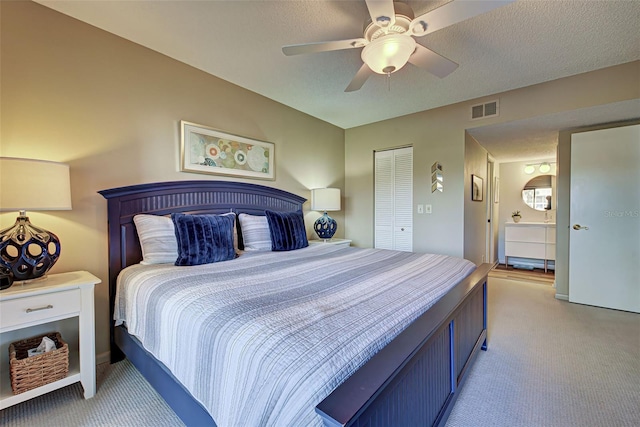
414	379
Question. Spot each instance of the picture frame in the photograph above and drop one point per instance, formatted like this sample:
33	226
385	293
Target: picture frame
211	151
476	188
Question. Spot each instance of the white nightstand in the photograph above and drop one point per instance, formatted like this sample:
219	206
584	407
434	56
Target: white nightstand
342	242
63	303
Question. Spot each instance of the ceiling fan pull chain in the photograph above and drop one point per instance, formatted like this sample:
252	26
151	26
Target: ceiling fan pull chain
388	82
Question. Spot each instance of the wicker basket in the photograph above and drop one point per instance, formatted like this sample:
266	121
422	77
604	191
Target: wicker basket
31	372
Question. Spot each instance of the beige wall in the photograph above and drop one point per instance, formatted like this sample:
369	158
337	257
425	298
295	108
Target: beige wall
111	110
433	136
439	135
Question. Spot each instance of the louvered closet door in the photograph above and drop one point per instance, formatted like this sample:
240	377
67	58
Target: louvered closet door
394	199
403	199
384	200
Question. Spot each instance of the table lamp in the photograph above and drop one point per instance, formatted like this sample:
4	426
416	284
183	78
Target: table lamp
325	199
27	252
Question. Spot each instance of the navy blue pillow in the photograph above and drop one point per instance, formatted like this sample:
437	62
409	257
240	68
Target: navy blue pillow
203	239
287	230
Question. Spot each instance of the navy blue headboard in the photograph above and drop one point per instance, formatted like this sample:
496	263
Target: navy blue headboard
193	197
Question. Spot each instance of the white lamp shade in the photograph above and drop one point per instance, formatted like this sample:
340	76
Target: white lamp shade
325	199
545	167
34	185
389	53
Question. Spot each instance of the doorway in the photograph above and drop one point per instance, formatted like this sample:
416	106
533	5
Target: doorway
491	234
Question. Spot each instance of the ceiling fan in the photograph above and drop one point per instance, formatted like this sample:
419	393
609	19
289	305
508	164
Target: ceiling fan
389	42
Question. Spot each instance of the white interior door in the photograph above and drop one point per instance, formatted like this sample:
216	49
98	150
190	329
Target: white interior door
383	212
393	211
604	242
403	199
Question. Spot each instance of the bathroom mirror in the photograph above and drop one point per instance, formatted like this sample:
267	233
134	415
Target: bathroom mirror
538	193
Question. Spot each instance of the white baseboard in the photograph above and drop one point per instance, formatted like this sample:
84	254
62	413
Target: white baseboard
103	358
562	297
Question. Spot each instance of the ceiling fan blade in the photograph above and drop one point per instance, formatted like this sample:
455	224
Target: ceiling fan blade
298	49
452	13
432	62
382	12
361	76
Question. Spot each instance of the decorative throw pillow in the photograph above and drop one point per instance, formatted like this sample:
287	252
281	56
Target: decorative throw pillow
157	239
203	239
287	230
255	232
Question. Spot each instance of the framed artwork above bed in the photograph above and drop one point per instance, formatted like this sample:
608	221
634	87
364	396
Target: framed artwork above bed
211	151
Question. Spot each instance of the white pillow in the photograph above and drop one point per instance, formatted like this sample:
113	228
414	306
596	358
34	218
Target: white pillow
255	232
157	239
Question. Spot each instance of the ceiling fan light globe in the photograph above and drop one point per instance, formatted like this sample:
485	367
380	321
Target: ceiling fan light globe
390	52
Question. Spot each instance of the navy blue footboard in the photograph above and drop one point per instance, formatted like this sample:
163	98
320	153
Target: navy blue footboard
415	380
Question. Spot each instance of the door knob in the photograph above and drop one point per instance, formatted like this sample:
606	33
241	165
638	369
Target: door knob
579	227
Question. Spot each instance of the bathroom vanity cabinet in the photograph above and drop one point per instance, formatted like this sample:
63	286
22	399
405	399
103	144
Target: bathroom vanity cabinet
530	240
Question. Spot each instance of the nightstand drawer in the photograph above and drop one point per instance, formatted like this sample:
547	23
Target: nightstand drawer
339	242
36	308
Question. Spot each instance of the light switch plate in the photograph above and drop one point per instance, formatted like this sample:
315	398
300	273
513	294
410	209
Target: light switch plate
420	209
428	208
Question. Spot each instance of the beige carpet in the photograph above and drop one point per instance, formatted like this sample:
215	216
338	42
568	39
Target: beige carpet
550	363
124	399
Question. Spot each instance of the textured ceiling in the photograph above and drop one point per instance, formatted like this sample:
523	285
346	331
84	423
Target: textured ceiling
517	45
536	138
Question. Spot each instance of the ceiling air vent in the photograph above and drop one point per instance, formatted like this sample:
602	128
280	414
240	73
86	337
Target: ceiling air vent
481	111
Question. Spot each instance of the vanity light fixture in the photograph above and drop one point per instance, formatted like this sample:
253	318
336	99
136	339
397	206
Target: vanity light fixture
544	167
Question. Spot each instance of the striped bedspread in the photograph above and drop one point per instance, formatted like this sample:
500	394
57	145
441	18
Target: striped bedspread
262	339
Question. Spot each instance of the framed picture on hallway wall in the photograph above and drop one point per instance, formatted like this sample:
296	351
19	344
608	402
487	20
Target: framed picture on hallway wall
476	188
211	151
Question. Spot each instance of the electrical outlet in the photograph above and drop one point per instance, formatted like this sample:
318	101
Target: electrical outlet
420	209
428	209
